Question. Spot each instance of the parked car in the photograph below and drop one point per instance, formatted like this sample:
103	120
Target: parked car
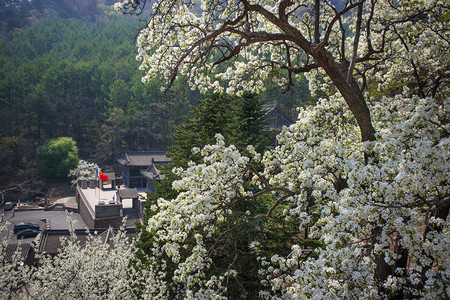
8	206
22	226
28	233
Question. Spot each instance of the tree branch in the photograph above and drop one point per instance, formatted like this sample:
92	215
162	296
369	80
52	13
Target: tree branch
336	18
355	43
317	22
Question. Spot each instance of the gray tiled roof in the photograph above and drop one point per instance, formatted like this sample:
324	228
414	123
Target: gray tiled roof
128	193
151	173
276	117
51	241
144	158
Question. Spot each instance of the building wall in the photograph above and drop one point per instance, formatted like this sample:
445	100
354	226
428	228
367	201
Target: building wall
138	205
132	177
103	216
126	176
84	212
105	223
107	210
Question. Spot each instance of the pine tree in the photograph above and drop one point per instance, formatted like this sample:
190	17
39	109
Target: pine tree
241	120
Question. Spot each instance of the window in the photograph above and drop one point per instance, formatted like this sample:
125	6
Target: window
135	182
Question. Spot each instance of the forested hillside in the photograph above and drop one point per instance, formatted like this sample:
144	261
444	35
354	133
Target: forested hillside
20	13
61	75
68	77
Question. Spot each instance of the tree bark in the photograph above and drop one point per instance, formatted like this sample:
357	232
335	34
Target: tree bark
350	91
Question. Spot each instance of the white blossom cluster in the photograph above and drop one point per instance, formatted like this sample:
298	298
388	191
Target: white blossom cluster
386	201
375	207
418	48
92	270
391	197
188	37
205	192
84	170
12	270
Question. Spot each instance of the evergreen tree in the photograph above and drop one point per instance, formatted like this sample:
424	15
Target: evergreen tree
241	120
250	123
208	118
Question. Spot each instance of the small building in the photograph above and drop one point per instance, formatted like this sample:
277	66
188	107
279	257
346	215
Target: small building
139	169
100	206
137	202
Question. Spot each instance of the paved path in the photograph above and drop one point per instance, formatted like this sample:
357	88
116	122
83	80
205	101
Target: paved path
65	199
69	202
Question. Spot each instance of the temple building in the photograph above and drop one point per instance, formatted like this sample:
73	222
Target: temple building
139	169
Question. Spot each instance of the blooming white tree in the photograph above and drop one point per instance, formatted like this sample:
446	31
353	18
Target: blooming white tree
92	270
234	46
84	170
371	186
393	208
12	269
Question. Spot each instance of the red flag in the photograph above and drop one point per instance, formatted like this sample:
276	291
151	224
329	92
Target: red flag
103	176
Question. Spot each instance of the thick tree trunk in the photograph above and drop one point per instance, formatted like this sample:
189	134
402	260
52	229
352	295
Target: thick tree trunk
355	100
350	91
337	72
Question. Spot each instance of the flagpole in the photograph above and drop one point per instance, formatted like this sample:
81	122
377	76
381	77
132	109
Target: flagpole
97	186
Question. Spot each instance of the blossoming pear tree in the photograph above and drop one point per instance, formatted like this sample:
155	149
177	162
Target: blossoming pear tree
12	268
257	40
84	170
364	172
391	207
90	270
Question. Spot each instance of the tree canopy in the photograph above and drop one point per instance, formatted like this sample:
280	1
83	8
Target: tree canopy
56	157
241	120
278	40
364	172
68	77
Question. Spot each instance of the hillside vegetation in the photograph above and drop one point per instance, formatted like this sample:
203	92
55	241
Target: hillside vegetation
67	74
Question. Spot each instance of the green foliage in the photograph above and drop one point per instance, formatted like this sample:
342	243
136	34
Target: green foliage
14	14
56	157
9	150
67	77
241	120
248	121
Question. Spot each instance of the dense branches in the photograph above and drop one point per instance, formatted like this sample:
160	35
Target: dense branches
316	184
365	201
